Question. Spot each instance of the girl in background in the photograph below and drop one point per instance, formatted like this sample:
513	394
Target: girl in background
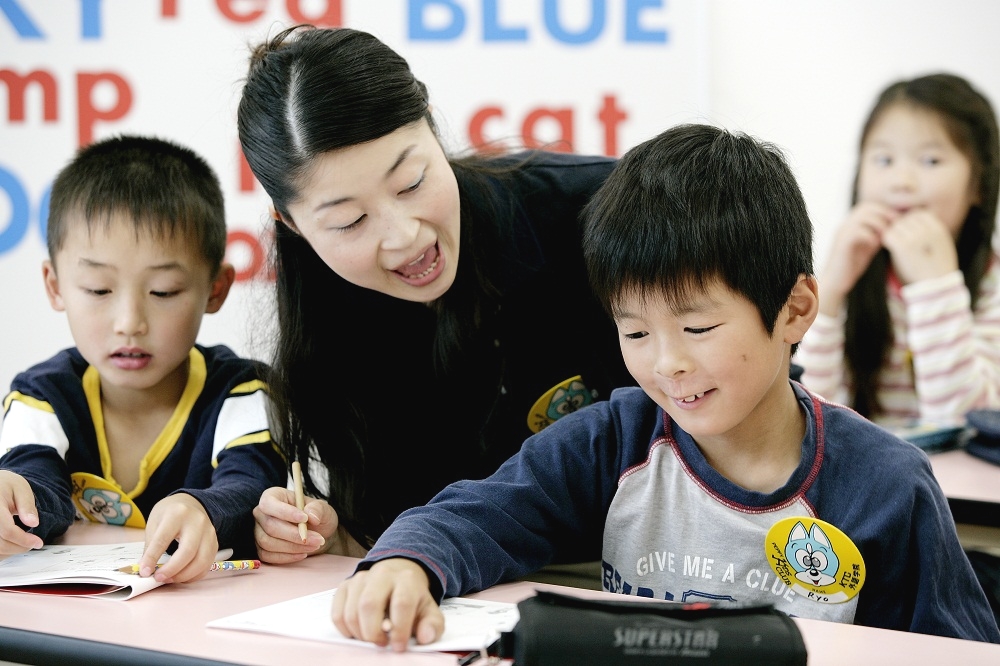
433	311
909	323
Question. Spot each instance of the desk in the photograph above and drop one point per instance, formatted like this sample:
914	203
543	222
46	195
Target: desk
972	486
170	621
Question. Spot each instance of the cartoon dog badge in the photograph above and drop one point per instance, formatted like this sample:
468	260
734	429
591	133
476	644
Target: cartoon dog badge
102	502
814	558
564	398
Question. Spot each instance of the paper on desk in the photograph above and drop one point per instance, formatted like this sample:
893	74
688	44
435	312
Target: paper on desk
469	624
89	570
79	571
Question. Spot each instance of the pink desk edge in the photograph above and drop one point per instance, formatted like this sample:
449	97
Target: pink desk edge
963	476
172	619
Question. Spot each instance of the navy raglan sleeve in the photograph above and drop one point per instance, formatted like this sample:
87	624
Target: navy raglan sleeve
33	444
547	500
245	462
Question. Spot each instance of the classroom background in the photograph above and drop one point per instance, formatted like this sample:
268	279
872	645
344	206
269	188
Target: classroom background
592	76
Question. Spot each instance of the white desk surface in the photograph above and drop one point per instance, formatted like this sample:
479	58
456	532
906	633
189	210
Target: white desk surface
172	619
966	477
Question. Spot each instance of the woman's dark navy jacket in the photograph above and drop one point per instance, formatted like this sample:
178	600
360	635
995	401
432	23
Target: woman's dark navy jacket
426	429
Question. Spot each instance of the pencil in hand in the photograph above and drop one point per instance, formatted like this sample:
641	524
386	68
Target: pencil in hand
300	499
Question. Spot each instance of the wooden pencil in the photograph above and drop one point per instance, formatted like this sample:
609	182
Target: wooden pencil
300	499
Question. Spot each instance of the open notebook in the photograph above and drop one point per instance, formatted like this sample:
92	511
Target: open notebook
80	571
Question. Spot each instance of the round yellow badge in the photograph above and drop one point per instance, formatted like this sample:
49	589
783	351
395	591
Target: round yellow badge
103	502
562	399
814	558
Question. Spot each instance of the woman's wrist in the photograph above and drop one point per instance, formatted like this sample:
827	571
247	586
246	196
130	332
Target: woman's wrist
342	543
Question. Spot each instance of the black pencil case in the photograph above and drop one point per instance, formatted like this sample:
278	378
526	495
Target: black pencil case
556	630
985	442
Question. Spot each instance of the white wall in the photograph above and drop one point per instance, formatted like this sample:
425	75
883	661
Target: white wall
805	74
800	74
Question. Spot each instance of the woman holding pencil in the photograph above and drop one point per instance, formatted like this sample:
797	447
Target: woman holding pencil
434	311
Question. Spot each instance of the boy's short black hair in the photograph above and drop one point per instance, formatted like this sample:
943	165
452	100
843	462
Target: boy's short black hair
162	187
693	204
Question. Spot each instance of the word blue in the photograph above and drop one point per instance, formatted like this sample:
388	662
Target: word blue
635	31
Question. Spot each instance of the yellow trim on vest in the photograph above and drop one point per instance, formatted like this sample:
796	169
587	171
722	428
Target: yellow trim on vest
250	438
251	386
164	444
27	400
92	390
166	440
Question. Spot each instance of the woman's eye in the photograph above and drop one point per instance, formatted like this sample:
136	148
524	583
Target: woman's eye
415	185
352	225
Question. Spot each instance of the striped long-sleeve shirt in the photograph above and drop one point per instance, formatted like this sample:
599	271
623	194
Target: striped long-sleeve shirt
945	359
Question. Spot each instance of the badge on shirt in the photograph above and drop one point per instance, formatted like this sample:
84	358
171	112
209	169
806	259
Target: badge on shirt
103	502
562	399
814	558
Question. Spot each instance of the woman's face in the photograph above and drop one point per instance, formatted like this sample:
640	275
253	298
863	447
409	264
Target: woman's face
384	215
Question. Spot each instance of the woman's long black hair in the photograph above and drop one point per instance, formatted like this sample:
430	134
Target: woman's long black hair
310	91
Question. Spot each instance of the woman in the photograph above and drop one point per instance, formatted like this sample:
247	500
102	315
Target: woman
433	311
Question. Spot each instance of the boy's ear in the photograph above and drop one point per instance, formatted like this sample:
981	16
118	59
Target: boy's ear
220	288
51	281
803	306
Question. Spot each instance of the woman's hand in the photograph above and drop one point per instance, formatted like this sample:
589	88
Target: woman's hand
276	529
388	604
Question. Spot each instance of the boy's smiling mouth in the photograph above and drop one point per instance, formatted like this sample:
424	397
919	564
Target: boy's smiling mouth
692	399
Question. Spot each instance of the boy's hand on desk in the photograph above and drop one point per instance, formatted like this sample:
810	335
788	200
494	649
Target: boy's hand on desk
182	518
16	499
387	604
276	527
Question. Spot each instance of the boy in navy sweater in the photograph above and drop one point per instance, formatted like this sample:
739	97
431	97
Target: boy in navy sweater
718	479
137	425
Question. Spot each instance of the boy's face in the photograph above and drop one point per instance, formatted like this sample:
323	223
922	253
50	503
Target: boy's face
710	363
134	303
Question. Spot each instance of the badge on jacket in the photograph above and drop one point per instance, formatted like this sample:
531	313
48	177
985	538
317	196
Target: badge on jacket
100	501
564	398
816	559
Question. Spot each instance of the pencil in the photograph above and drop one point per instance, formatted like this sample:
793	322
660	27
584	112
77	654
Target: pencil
225	565
235	565
300	499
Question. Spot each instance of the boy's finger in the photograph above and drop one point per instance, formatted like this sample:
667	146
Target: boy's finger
12	534
430	626
156	546
24	506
